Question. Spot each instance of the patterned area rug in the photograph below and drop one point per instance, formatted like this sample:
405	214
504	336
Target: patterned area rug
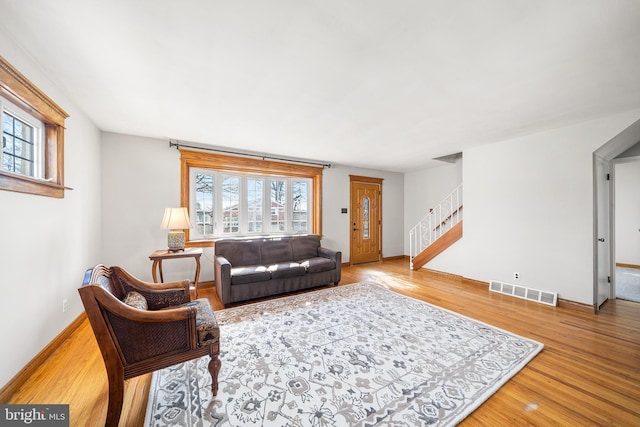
628	283
355	355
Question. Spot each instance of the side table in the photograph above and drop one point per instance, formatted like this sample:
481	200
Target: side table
162	254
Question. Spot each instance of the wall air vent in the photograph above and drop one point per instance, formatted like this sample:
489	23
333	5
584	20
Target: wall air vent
543	297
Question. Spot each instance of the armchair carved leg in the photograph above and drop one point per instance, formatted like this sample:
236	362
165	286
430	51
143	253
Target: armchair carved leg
214	367
116	396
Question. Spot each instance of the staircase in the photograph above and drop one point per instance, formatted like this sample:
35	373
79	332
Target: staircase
438	230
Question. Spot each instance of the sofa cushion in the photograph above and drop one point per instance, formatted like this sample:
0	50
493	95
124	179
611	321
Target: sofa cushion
136	300
318	264
287	269
239	252
249	274
275	251
305	246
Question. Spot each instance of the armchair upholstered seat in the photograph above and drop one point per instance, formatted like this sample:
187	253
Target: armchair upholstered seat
142	327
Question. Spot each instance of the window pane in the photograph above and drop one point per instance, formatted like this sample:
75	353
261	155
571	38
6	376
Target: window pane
17	145
300	207
204	204
23	167
255	205
23	131
278	206
7	124
230	204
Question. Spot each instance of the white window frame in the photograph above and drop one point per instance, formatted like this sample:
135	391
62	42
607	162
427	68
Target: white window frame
7	107
243	221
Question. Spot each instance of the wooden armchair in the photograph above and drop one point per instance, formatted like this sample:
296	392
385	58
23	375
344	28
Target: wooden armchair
142	327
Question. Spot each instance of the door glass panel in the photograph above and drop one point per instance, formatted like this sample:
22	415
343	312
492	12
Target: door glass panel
365	218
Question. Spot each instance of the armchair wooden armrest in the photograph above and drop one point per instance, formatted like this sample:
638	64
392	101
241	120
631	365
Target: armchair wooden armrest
158	295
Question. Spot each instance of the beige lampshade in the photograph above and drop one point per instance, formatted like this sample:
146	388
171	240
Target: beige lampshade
176	220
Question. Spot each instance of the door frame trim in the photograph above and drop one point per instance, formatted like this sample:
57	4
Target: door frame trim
367	180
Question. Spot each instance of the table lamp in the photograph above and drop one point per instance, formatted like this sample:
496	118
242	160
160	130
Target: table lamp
176	220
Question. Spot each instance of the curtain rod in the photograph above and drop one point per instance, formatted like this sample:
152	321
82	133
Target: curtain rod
259	156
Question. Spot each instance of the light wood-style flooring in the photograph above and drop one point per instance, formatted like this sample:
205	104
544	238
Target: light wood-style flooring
587	375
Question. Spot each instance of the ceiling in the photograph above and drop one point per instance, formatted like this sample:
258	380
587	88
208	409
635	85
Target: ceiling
386	85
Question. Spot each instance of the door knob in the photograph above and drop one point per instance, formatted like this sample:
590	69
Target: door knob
601	239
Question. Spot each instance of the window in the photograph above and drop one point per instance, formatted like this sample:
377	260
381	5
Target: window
230	204
279	206
225	204
21	142
234	196
32	155
203	208
300	212
255	204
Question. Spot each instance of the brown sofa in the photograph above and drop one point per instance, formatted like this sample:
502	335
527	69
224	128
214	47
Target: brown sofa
254	268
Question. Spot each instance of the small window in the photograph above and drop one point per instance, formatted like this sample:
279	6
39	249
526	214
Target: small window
21	142
32	154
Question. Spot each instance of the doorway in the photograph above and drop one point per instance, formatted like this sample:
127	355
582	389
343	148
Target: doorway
626	277
366	219
622	145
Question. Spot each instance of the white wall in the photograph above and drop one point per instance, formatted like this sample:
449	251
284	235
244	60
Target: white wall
627	212
47	243
424	189
141	176
529	209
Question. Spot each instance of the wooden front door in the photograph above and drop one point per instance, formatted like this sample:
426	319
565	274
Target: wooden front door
366	219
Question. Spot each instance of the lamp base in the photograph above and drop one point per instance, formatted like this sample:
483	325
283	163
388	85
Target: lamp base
175	240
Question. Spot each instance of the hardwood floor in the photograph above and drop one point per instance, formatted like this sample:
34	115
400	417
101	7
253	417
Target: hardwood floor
587	374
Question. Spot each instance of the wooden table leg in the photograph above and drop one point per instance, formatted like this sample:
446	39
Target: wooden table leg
195	283
153	270
157	264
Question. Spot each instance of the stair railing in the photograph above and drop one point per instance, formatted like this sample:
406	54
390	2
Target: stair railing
438	221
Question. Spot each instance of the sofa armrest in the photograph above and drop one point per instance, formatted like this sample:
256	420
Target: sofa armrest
337	257
331	254
222	269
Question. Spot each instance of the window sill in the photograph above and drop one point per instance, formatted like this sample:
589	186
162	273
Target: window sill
199	244
24	184
205	243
